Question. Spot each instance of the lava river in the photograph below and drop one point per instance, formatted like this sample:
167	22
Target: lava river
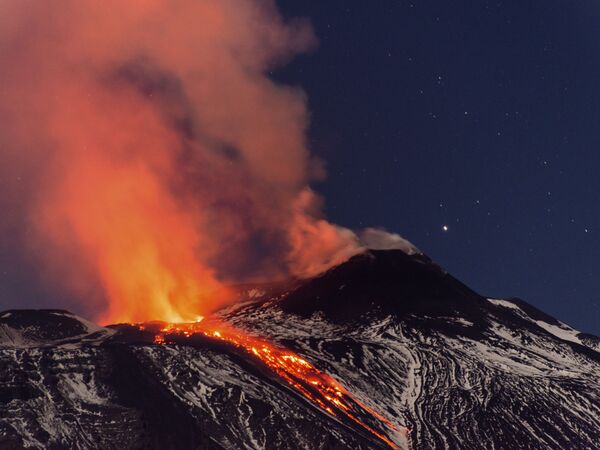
317	387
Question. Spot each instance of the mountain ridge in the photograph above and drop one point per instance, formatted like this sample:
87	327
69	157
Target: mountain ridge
460	371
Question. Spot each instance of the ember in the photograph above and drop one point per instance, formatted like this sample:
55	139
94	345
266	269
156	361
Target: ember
317	387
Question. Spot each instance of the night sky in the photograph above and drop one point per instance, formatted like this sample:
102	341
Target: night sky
471	128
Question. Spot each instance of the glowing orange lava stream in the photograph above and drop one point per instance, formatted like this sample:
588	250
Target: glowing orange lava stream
316	386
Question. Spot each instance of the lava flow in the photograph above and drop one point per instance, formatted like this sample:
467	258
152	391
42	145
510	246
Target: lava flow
317	387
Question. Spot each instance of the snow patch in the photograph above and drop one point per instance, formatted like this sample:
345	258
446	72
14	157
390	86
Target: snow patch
76	388
505	304
9	337
564	332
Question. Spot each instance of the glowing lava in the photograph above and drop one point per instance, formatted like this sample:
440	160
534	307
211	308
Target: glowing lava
317	387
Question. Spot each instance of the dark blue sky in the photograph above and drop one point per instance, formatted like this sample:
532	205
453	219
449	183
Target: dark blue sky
482	116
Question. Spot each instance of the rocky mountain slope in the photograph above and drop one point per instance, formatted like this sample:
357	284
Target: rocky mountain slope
448	368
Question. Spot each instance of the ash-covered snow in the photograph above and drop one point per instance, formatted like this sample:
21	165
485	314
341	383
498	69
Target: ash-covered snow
472	373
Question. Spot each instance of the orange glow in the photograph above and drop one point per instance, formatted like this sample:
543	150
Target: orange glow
317	387
158	152
163	162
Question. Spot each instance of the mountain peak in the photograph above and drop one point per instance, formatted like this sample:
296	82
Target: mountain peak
431	364
383	282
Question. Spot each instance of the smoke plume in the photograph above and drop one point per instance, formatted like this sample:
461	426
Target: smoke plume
380	239
148	160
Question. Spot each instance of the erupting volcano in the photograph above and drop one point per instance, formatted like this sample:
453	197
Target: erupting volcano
427	363
174	166
163	162
159	176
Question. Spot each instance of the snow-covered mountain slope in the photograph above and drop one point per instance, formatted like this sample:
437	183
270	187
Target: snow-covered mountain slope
448	368
50	327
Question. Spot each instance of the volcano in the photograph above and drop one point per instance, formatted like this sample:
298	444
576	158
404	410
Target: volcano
386	350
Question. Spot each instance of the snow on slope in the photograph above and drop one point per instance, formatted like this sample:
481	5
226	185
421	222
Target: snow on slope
509	388
450	369
48	327
560	330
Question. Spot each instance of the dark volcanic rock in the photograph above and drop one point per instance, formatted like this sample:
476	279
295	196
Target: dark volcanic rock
43	324
384	282
458	370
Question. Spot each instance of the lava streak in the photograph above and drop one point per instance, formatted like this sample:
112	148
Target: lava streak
317	387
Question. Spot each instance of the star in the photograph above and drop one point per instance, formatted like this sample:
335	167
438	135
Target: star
445	228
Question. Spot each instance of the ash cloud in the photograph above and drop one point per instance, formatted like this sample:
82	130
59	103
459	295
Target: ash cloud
161	162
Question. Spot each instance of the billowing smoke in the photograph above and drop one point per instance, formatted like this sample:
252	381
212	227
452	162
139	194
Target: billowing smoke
380	239
156	159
